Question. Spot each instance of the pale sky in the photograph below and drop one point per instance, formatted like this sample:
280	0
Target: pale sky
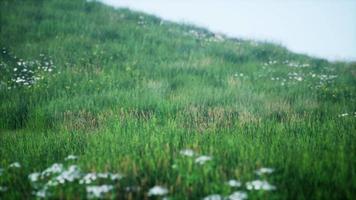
322	28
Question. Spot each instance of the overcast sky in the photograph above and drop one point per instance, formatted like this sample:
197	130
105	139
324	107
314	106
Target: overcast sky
323	28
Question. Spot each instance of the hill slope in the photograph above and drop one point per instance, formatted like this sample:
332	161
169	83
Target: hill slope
126	92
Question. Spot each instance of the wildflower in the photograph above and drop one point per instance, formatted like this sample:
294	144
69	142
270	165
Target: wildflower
34	176
3	189
15	165
299	78
71	157
52	183
202	159
238	196
116	176
259	185
54	169
15	69
234	183
103	175
98	191
88	178
19	80
214	197
157	191
69	175
42	193
264	170
344	115
187	152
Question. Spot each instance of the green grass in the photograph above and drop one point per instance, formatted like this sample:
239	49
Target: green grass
125	92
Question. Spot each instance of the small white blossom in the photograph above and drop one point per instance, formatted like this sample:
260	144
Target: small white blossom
42	193
15	165
234	183
214	197
202	159
34	177
264	170
98	191
157	191
259	185
73	173
299	78
187	152
3	189
88	178
238	196
54	169
344	115
116	176
71	157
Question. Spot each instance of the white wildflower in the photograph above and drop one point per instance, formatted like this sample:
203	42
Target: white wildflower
15	165
202	159
214	197
259	185
34	177
42	193
234	183
187	152
238	196
54	169
19	80
98	191
157	191
3	189
52	183
264	170
299	78
344	115
116	176
71	157
70	175
88	178
103	175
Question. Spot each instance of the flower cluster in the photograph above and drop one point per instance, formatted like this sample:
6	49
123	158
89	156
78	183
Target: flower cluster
19	73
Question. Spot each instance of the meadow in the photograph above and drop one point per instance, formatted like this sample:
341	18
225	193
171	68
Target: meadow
97	102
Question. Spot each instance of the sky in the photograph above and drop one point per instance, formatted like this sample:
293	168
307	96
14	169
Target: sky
321	28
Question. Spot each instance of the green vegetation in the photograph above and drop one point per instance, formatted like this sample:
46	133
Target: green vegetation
126	92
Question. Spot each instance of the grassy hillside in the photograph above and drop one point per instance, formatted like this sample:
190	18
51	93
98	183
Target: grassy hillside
126	92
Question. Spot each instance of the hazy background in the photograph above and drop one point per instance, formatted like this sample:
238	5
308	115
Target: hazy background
323	28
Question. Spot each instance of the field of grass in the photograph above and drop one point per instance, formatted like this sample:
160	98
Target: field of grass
133	97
